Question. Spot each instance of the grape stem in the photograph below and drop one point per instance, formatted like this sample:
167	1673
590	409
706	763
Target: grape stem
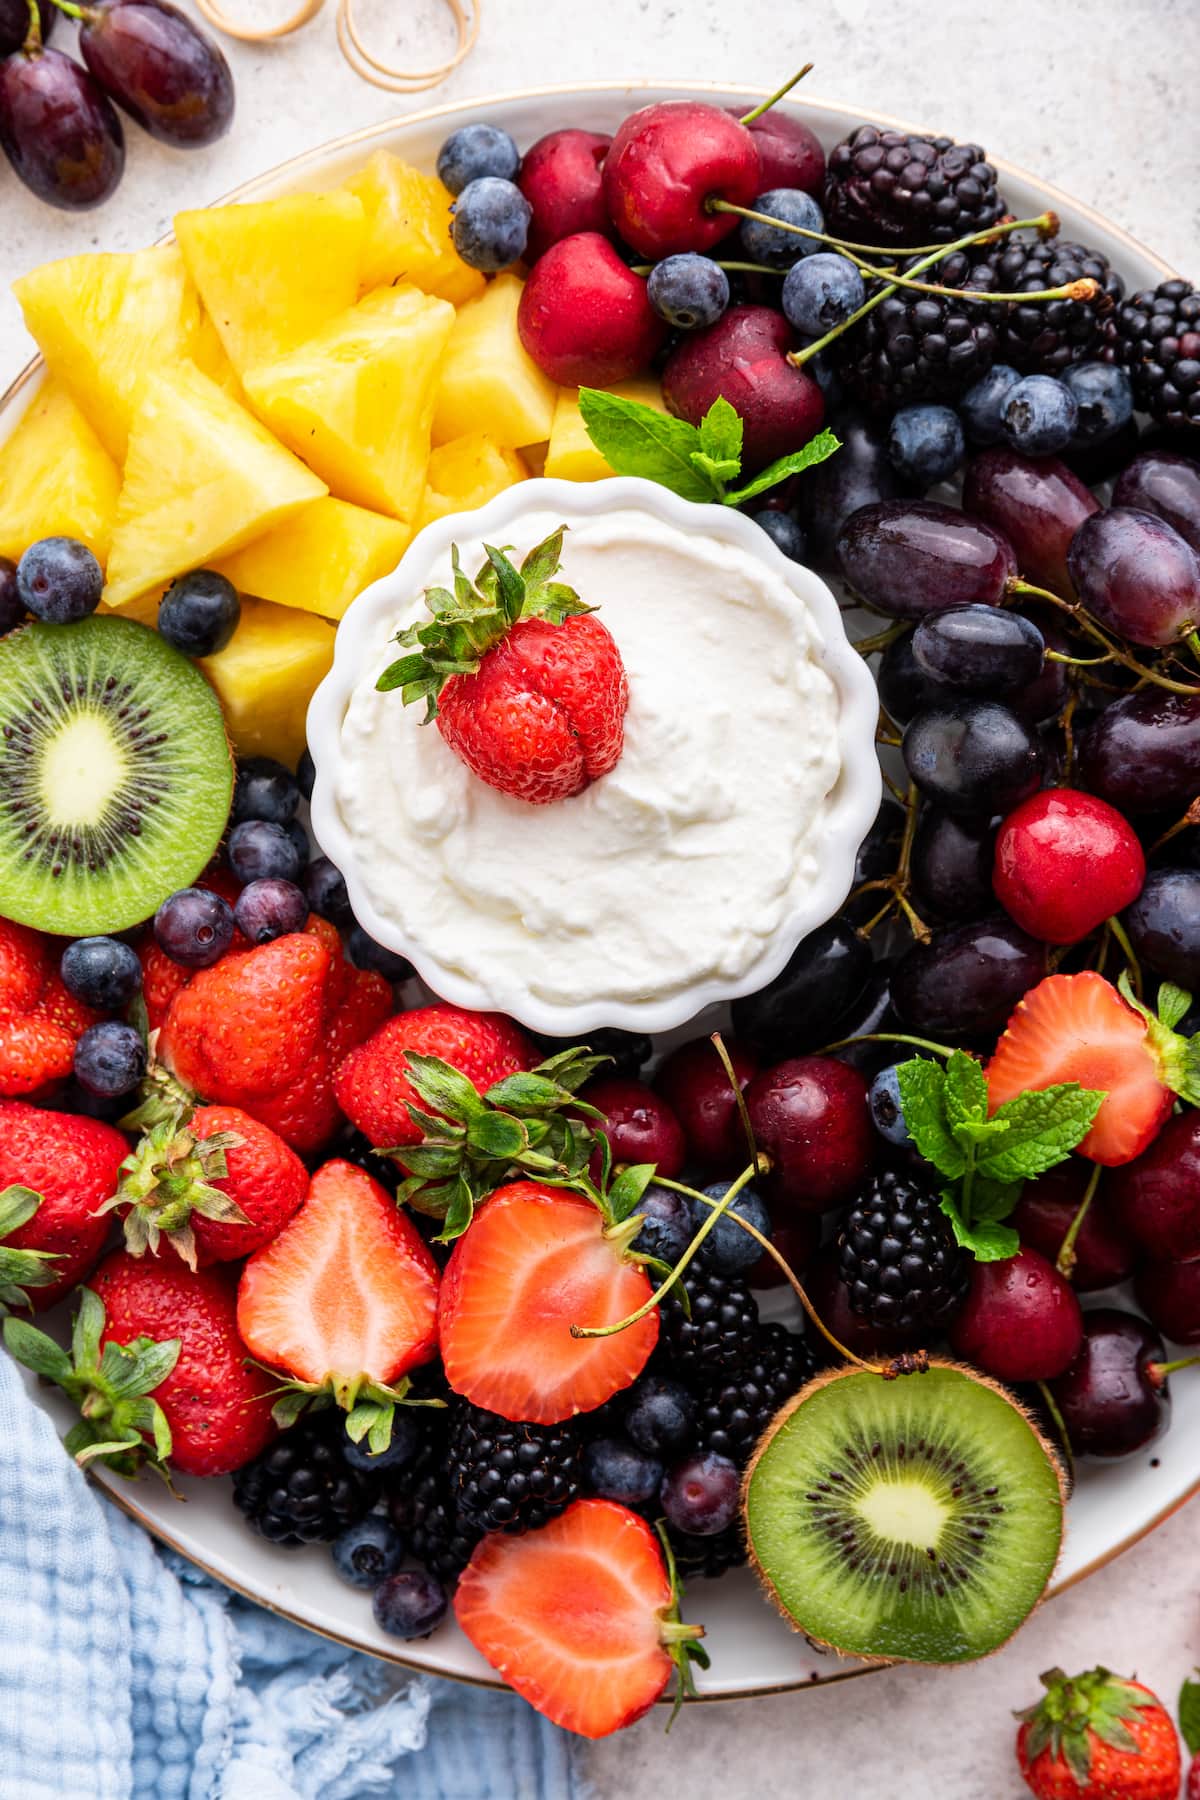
1052	1407
1065	1261
1190	817
79	13
868	646
896	884
33	37
1016	588
779	94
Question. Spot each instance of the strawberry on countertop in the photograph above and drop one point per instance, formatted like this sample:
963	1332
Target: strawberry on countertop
39	1020
1098	1737
72	1165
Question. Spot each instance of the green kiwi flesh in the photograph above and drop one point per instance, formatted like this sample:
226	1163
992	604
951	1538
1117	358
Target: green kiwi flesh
115	774
916	1519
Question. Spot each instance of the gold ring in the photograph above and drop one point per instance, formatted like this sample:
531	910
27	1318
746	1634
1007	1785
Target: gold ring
247	34
405	81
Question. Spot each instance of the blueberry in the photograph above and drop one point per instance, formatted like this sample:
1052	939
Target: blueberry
12	607
617	1470
780	249
1039	416
260	850
821	292
727	1247
783	531
1104	398
667	1230
491	223
101	972
110	1058
887	1113
300	840
306	774
700	1494
662	1415
325	887
366	1553
73	1097
406	1437
264	789
194	927
367	954
59	580
981	408
688	291
269	909
476	150
410	1604
926	444
199	613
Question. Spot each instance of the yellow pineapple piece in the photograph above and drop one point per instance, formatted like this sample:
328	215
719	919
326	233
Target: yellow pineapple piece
103	321
466	473
356	400
408	231
265	677
489	381
571	453
274	272
319	559
202	478
56	478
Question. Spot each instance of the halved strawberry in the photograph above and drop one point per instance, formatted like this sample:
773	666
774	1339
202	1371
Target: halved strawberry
535	1261
579	1617
1078	1028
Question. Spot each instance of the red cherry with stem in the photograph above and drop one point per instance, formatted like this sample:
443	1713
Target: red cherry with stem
1114	1398
789	154
584	316
1170	1293
1065	861
1104	1251
1137	575
1157	1196
811	1118
796	1242
639	1125
743	358
830	1299
1020	1321
1037	504
561	179
695	1083
666	163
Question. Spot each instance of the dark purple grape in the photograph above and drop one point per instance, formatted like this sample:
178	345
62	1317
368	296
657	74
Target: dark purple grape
911	557
1142	754
979	649
801	1008
1164	926
168	75
1036	503
1158	482
859	474
1137	575
904	687
952	866
972	757
1094	463
59	130
877	856
700	1494
1045	696
12	607
14	23
967	981
873	1013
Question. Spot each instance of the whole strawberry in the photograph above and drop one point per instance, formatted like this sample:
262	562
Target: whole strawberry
372	1085
1098	1737
1189	1730
39	1021
73	1165
527	686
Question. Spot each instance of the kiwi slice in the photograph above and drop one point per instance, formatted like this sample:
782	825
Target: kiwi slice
916	1519
115	774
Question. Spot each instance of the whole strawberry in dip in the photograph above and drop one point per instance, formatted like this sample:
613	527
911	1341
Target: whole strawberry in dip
527	686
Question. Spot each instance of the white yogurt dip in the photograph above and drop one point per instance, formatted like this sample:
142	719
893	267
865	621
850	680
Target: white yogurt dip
677	868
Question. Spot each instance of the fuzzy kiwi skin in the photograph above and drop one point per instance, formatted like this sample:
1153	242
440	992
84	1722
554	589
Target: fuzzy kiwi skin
824	1379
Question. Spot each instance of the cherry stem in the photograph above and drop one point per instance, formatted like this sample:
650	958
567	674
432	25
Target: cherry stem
883	1037
1065	1262
1158	1372
1052	1407
1190	817
1017	588
1122	937
779	94
1046	225
739	1097
1193	643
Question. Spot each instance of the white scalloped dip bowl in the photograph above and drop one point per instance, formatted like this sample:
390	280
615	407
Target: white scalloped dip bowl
489	979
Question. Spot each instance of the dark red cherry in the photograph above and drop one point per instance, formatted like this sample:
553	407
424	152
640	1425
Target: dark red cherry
1020	1320
811	1117
561	179
666	163
584	316
1157	1196
1112	1399
789	154
1170	1293
639	1124
696	1086
743	359
1104	1251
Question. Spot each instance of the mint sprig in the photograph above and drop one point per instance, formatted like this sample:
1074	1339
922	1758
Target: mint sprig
984	1160
697	462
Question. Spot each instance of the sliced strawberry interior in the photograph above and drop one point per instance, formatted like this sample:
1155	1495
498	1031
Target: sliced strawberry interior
534	1262
570	1615
1078	1028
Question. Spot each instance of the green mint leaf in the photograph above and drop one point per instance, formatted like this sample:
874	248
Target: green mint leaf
498	1136
639	440
627	1190
817	450
38	1352
17	1206
721	433
442	1087
715	471
922	1098
964	1095
986	1240
1189	1714
993	1200
1044	1126
1173	1004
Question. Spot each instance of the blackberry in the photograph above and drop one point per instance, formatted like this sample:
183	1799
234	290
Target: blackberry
510	1477
901	187
707	1557
301	1489
898	1258
734	1412
421	1506
917	346
1043	337
1157	338
720	1335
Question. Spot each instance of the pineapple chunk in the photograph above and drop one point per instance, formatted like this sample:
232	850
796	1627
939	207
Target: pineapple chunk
273	273
56	478
320	559
489	381
408	231
202	478
571	454
466	473
356	400
103	321
265	677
